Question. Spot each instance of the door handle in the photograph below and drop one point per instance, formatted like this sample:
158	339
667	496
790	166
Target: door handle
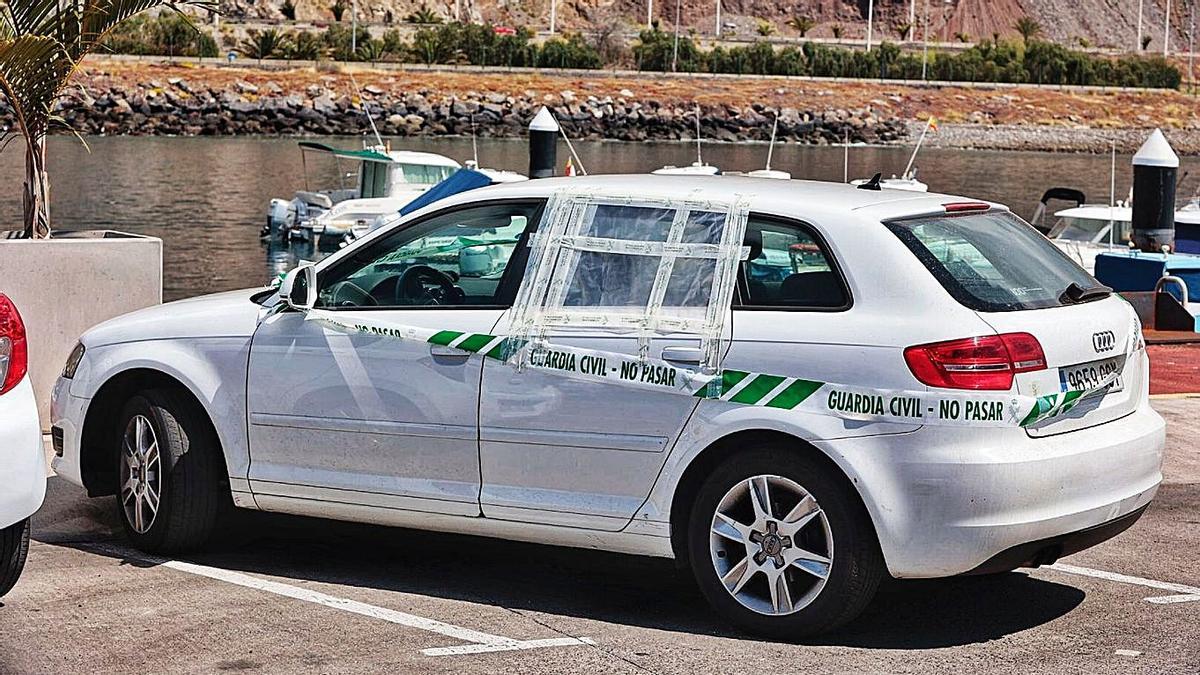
443	353
682	354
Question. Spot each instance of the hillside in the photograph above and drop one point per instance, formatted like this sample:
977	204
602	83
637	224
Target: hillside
1101	23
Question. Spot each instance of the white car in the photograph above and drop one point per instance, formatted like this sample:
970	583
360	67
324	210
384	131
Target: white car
22	457
906	384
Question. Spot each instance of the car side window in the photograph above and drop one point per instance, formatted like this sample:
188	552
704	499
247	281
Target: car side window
457	258
788	267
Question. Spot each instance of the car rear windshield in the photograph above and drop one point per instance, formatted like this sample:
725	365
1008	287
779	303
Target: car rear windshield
993	261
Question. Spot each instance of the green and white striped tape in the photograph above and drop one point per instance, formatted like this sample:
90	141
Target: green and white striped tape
945	408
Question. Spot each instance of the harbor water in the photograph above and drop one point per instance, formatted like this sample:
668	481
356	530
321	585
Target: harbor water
207	197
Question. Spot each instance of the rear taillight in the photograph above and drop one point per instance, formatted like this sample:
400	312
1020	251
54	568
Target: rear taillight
986	362
14	353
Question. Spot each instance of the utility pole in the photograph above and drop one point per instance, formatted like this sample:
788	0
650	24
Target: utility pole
1167	31
1138	46
870	21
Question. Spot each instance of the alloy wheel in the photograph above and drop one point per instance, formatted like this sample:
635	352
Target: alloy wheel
141	474
771	545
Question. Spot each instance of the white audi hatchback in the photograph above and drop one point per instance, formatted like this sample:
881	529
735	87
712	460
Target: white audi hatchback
796	388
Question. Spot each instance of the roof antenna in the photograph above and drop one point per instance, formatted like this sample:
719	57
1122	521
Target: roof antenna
366	111
771	147
872	184
699	159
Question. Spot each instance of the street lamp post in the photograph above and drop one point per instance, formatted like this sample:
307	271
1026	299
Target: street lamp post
675	49
870	21
1167	31
1138	46
353	26
718	30
649	13
553	14
925	47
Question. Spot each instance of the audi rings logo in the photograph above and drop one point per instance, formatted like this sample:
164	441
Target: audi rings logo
1104	341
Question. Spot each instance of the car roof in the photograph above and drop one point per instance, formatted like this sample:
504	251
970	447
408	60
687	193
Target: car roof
798	198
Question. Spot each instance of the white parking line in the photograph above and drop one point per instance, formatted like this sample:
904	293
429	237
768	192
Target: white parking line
479	642
1186	593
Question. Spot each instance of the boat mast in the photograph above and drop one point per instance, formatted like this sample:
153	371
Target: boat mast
367	111
699	159
846	159
771	147
917	149
1112	195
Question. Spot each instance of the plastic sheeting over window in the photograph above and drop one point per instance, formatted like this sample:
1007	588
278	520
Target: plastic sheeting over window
642	265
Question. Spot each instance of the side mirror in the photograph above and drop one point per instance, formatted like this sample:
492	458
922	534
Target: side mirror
299	287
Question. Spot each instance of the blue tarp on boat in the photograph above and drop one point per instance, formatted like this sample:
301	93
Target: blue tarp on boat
458	182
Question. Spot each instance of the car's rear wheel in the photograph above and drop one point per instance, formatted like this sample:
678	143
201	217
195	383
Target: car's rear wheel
169	490
14	546
780	546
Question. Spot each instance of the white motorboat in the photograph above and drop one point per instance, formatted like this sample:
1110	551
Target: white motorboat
1085	230
381	173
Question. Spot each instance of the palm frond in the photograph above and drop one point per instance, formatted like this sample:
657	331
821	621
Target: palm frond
79	24
33	70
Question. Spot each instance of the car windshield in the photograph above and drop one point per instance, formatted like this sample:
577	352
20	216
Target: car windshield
992	262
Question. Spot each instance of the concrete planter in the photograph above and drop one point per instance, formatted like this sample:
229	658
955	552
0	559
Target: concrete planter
64	285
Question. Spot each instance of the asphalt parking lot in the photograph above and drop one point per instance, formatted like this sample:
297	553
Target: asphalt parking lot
282	594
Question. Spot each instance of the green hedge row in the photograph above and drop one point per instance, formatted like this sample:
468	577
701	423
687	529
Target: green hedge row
477	44
1037	62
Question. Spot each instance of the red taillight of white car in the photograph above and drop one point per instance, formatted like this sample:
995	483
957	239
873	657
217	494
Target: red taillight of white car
987	362
14	352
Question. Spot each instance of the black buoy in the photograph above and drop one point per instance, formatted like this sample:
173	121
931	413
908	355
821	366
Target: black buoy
1154	169
543	144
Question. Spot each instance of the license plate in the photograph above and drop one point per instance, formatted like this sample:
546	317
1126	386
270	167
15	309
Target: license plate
1090	375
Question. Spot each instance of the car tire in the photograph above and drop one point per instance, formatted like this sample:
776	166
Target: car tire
817	517
14	547
168	501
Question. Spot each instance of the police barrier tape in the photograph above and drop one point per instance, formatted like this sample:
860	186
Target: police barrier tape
944	408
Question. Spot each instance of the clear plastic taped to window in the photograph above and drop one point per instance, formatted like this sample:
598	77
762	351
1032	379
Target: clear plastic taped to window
646	266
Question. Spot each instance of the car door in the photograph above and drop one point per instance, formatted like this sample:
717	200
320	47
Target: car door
372	420
583	453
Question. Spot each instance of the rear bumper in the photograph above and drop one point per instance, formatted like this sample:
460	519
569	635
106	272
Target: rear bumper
947	501
1047	551
22	457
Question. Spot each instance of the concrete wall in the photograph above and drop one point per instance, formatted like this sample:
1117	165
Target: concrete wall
67	284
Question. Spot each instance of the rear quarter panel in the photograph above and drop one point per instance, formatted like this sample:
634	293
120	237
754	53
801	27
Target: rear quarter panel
895	303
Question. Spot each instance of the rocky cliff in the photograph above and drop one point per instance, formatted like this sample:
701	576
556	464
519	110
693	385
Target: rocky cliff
1102	23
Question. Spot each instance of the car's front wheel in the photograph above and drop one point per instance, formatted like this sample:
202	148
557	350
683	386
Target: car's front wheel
14	546
780	546
170	487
